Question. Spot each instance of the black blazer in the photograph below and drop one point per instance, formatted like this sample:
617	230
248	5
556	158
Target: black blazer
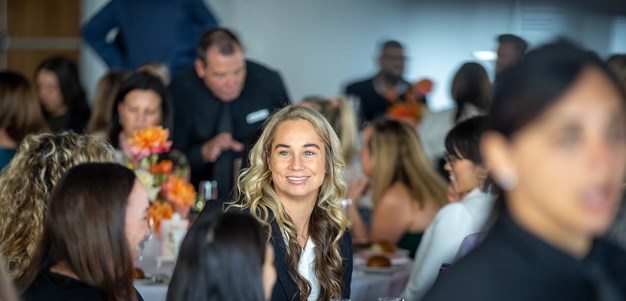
197	113
512	264
286	288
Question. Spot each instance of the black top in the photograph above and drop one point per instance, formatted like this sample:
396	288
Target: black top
372	104
512	264
197	116
49	286
286	288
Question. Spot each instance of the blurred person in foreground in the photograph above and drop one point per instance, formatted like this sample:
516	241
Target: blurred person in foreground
224	257
95	221
555	142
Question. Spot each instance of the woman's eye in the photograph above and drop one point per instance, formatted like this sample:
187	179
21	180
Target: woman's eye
617	135
283	153
309	153
569	138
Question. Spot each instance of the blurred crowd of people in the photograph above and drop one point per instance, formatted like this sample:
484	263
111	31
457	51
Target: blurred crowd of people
513	194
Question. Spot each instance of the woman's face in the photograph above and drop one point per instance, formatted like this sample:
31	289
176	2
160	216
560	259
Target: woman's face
364	154
297	161
139	110
570	161
269	272
50	94
136	224
463	174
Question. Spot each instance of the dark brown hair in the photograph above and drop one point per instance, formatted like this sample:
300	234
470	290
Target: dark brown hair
74	96
85	229
222	38
20	113
470	86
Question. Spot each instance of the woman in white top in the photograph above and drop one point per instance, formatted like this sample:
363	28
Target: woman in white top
468	177
294	186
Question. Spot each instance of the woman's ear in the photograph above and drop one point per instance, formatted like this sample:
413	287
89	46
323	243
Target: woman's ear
496	153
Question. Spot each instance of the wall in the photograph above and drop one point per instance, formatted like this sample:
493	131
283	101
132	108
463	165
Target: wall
320	45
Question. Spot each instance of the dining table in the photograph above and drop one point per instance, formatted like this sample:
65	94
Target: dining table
368	284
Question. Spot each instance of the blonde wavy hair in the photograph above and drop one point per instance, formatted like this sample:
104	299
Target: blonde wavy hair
341	117
328	222
398	156
26	183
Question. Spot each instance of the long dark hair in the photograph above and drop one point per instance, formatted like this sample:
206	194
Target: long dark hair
74	96
85	229
138	81
536	84
221	258
470	86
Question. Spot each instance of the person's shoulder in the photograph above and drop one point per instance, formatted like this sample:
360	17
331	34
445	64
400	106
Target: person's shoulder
452	211
185	84
254	68
359	84
51	287
184	75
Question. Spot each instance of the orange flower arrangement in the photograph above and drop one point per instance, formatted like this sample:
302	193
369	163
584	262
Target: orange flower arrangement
152	140
409	108
163	178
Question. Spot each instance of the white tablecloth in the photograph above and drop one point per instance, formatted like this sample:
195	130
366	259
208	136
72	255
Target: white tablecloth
366	286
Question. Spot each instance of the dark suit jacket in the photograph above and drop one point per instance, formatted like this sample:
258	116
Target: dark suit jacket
372	104
197	113
286	288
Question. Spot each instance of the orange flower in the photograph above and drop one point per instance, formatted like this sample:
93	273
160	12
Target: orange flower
179	192
152	140
409	111
163	167
159	211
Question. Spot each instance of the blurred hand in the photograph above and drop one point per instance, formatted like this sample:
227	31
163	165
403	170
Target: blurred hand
213	148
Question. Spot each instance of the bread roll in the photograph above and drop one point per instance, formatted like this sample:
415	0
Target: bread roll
378	261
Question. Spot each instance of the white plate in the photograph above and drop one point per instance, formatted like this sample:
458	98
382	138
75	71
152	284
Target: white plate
401	256
367	269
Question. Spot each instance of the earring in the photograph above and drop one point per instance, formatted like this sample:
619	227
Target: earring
507	179
482	177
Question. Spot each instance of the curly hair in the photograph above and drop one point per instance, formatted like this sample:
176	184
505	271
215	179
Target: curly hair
399	157
26	183
328	222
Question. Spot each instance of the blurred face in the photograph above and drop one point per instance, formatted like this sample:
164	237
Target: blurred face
507	56
392	62
50	94
463	174
139	110
136	224
269	272
570	161
224	75
364	154
297	161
